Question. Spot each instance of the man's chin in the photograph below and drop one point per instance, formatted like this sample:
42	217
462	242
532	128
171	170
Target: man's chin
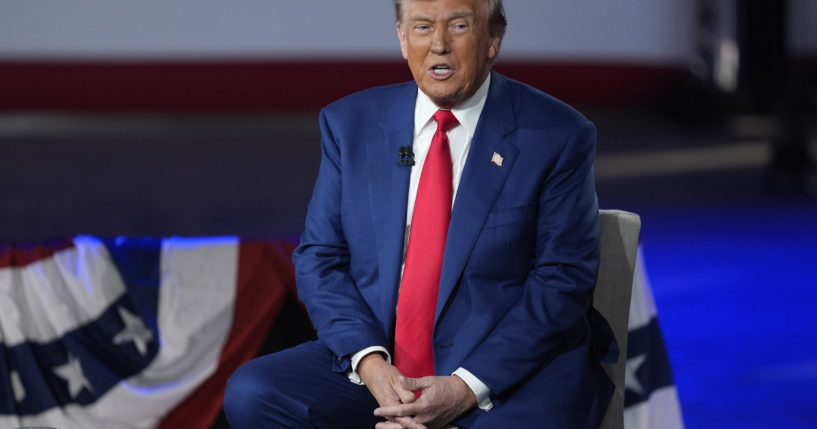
445	104
445	101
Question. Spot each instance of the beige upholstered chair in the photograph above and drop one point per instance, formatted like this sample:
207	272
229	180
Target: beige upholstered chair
619	243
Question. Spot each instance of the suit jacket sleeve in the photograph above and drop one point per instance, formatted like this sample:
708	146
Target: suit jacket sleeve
343	320
557	292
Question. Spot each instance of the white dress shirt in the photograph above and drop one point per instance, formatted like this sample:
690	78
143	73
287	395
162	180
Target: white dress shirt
459	141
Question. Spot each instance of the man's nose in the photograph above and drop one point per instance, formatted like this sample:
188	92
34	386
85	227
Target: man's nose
439	42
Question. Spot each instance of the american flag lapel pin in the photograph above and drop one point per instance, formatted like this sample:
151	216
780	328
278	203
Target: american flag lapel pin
497	159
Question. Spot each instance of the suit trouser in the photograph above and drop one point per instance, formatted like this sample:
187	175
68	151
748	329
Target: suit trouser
295	388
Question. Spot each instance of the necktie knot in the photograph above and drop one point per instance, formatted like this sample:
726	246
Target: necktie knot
445	120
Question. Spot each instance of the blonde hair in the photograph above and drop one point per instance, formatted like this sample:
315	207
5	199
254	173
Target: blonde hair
495	15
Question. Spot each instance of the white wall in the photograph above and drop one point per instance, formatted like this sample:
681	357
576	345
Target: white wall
633	30
614	30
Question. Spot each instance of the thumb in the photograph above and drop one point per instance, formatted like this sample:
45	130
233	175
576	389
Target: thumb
406	394
409	383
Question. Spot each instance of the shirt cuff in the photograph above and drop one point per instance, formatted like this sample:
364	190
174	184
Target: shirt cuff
354	377
482	392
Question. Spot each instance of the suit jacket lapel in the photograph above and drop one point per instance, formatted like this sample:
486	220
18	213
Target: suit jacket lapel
480	184
388	186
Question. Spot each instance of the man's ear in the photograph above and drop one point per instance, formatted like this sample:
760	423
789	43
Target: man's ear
401	34
493	47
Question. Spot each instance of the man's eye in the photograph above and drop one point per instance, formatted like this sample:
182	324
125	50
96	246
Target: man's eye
422	28
460	27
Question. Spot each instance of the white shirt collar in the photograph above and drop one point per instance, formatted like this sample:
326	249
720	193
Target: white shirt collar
466	113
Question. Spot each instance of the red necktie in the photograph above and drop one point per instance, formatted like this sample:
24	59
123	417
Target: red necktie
417	302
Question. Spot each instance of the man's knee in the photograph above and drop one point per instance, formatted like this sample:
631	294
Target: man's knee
244	390
295	388
252	397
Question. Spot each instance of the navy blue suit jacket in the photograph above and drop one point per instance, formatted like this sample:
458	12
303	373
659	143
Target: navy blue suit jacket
521	256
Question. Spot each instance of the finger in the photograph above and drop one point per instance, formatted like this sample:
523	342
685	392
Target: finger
410	423
401	410
388	425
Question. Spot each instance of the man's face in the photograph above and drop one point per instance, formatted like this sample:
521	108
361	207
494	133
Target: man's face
447	46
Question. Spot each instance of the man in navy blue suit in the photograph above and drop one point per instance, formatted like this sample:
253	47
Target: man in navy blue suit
504	340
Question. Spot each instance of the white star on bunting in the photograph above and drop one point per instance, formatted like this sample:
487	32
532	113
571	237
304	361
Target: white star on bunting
630	379
17	386
71	371
135	331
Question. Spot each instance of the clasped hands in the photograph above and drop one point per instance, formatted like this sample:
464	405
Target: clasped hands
442	399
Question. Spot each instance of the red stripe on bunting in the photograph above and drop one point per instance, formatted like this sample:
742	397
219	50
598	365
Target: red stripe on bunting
297	85
265	278
20	255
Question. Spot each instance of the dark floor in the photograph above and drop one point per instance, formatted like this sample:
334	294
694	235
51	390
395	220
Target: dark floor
731	248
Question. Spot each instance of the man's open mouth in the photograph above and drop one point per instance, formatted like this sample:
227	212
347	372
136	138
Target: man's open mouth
441	70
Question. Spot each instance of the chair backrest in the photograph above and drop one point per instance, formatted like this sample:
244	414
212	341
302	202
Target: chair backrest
619	244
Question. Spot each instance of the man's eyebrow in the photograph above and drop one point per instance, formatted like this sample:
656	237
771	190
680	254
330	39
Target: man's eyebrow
419	18
460	14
